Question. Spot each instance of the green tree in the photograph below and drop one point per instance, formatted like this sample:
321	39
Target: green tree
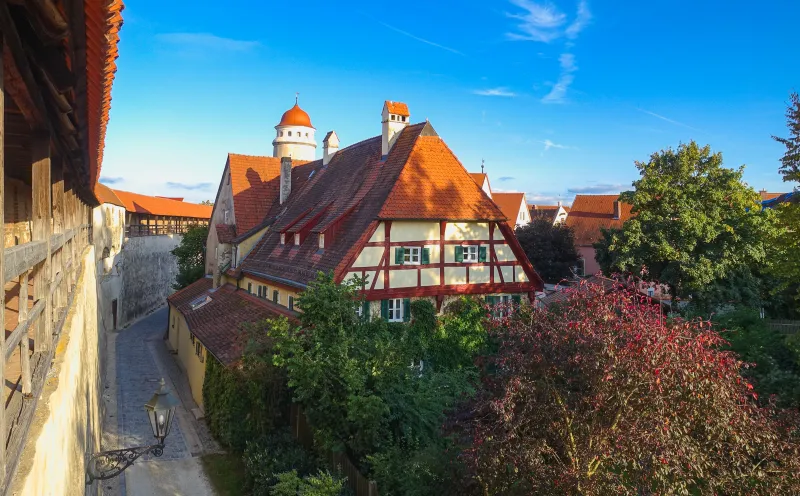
790	162
207	202
695	223
551	249
190	254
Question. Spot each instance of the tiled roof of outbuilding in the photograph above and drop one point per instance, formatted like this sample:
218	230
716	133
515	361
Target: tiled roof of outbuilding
107	195
226	233
153	205
510	204
216	324
397	108
591	212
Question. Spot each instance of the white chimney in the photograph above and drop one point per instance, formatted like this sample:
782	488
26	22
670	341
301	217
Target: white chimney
286	178
394	118
330	145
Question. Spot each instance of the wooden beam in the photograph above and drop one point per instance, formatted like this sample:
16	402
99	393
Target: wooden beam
22	328
3	347
24	342
57	174
26	92
20	258
42	212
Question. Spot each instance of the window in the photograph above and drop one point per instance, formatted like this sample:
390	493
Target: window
283	239
392	117
250	287
404	118
276	297
290	133
411	256
291	303
395	310
281	134
198	350
321	241
470	253
226	217
306	135
229	178
191	338
503	304
233	256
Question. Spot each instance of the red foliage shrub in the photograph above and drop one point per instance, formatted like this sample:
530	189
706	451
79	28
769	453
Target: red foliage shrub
601	394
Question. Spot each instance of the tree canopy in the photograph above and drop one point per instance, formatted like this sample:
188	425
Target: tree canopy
601	394
790	162
695	223
550	248
191	256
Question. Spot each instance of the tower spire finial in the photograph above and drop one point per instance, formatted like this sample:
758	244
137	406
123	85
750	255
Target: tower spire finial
296	97
482	167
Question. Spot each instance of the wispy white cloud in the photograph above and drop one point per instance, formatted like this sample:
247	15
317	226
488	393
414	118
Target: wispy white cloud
506	178
501	91
207	41
582	19
422	40
558	92
598	189
548	144
544	22
111	180
667	119
189	186
547	198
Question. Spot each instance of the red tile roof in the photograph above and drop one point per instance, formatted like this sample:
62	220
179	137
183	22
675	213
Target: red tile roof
768	196
226	233
510	204
419	179
216	324
153	205
479	177
107	195
591	212
397	108
176	198
434	185
103	20
255	182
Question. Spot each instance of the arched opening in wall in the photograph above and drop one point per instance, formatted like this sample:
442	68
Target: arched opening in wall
106	253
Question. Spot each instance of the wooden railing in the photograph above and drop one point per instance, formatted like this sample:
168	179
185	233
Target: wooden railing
785	326
339	462
60	255
136	230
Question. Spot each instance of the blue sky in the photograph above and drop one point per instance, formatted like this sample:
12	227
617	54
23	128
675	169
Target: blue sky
557	97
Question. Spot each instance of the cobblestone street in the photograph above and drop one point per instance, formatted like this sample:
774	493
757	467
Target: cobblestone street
137	360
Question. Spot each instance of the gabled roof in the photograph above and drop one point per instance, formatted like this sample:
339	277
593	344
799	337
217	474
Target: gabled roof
510	204
589	213
107	195
216	323
255	183
419	179
397	108
143	204
768	196
777	200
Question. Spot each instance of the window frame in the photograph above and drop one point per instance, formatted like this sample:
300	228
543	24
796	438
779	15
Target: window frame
395	310
467	253
409	253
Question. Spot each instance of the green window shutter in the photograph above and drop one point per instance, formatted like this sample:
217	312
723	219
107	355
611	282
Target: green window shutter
398	255
385	309
365	312
426	256
459	254
491	300
250	287
517	299
291	303
482	253
406	309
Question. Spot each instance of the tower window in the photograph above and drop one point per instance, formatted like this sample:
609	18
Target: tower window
404	118
290	133
306	135
392	117
281	134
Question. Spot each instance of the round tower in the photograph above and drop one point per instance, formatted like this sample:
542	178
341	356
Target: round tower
294	135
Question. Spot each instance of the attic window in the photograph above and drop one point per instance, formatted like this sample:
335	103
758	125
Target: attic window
283	238
321	241
281	134
199	302
297	240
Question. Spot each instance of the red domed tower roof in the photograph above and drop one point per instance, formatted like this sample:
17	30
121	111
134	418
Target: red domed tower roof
295	116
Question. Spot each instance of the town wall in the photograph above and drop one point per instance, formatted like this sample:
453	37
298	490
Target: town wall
67	422
150	270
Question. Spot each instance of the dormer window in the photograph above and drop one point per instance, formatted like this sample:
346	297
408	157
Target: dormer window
283	238
321	241
297	240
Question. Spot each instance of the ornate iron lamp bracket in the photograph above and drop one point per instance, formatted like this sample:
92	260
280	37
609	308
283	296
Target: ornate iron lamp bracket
109	464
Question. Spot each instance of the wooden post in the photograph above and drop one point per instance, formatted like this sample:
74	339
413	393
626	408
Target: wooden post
57	173
24	341
2	267
42	212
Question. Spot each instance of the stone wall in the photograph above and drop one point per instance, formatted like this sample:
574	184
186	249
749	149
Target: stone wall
149	273
67	423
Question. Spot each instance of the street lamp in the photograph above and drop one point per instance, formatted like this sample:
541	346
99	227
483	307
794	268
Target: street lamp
161	412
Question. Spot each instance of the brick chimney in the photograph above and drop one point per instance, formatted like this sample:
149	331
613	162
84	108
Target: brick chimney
617	210
286	179
330	145
395	117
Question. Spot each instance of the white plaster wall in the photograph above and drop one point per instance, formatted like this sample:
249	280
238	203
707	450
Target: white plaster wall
379	236
504	253
455	275
478	275
402	278
414	231
301	145
430	277
67	422
460	231
223	202
150	271
370	256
